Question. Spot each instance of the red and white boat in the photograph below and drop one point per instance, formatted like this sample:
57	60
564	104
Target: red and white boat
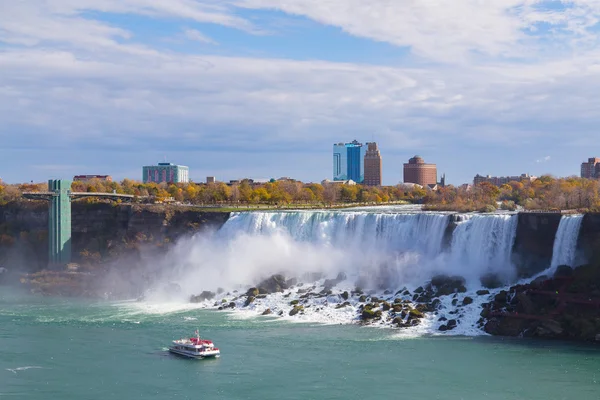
195	347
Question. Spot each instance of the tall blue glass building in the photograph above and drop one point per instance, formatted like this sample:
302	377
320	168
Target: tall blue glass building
348	161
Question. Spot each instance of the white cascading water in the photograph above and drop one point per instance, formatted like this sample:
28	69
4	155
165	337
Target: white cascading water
376	250
421	232
564	251
484	243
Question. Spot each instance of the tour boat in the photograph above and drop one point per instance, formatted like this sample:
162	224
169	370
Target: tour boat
195	347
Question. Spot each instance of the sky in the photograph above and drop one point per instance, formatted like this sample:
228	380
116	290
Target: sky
264	88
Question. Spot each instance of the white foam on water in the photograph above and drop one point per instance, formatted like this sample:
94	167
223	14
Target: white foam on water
19	369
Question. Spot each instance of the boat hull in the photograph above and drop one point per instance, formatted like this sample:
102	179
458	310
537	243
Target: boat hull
194	356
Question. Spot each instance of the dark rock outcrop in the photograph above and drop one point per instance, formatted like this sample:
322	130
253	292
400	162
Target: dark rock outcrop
273	284
566	307
206	295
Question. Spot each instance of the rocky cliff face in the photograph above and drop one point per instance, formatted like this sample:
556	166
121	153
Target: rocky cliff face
99	230
532	252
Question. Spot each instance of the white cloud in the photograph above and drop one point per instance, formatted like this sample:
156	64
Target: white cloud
543	160
70	78
455	31
198	36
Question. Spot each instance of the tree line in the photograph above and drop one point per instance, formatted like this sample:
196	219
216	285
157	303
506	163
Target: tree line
286	192
544	193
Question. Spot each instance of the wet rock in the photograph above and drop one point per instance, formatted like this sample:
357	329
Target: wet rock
538	282
415	314
344	304
524	304
295	310
467	300
252	292
443	285
397	307
345	295
275	283
441	319
419	289
249	301
501	297
206	295
362	298
385	306
370	314
563	271
387	292
549	328
267	312
482	292
454	302
232	305
294	302
491	281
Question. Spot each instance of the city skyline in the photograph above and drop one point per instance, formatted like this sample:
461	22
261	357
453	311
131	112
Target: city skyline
261	87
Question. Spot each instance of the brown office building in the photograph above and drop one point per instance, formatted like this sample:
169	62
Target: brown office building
591	169
416	171
372	165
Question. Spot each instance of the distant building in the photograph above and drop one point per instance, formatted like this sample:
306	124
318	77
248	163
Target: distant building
348	161
166	172
372	165
87	178
591	168
210	179
501	180
348	182
416	171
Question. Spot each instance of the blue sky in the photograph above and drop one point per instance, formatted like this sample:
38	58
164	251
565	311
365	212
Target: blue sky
263	88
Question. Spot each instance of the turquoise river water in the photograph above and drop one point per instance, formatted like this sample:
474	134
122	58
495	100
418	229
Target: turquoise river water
67	349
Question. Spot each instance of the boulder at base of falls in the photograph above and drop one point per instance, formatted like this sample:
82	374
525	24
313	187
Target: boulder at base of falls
296	310
368	314
249	301
252	292
276	283
344	304
491	281
206	295
443	285
267	312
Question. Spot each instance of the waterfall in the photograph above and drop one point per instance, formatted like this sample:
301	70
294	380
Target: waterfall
420	232
483	243
564	250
